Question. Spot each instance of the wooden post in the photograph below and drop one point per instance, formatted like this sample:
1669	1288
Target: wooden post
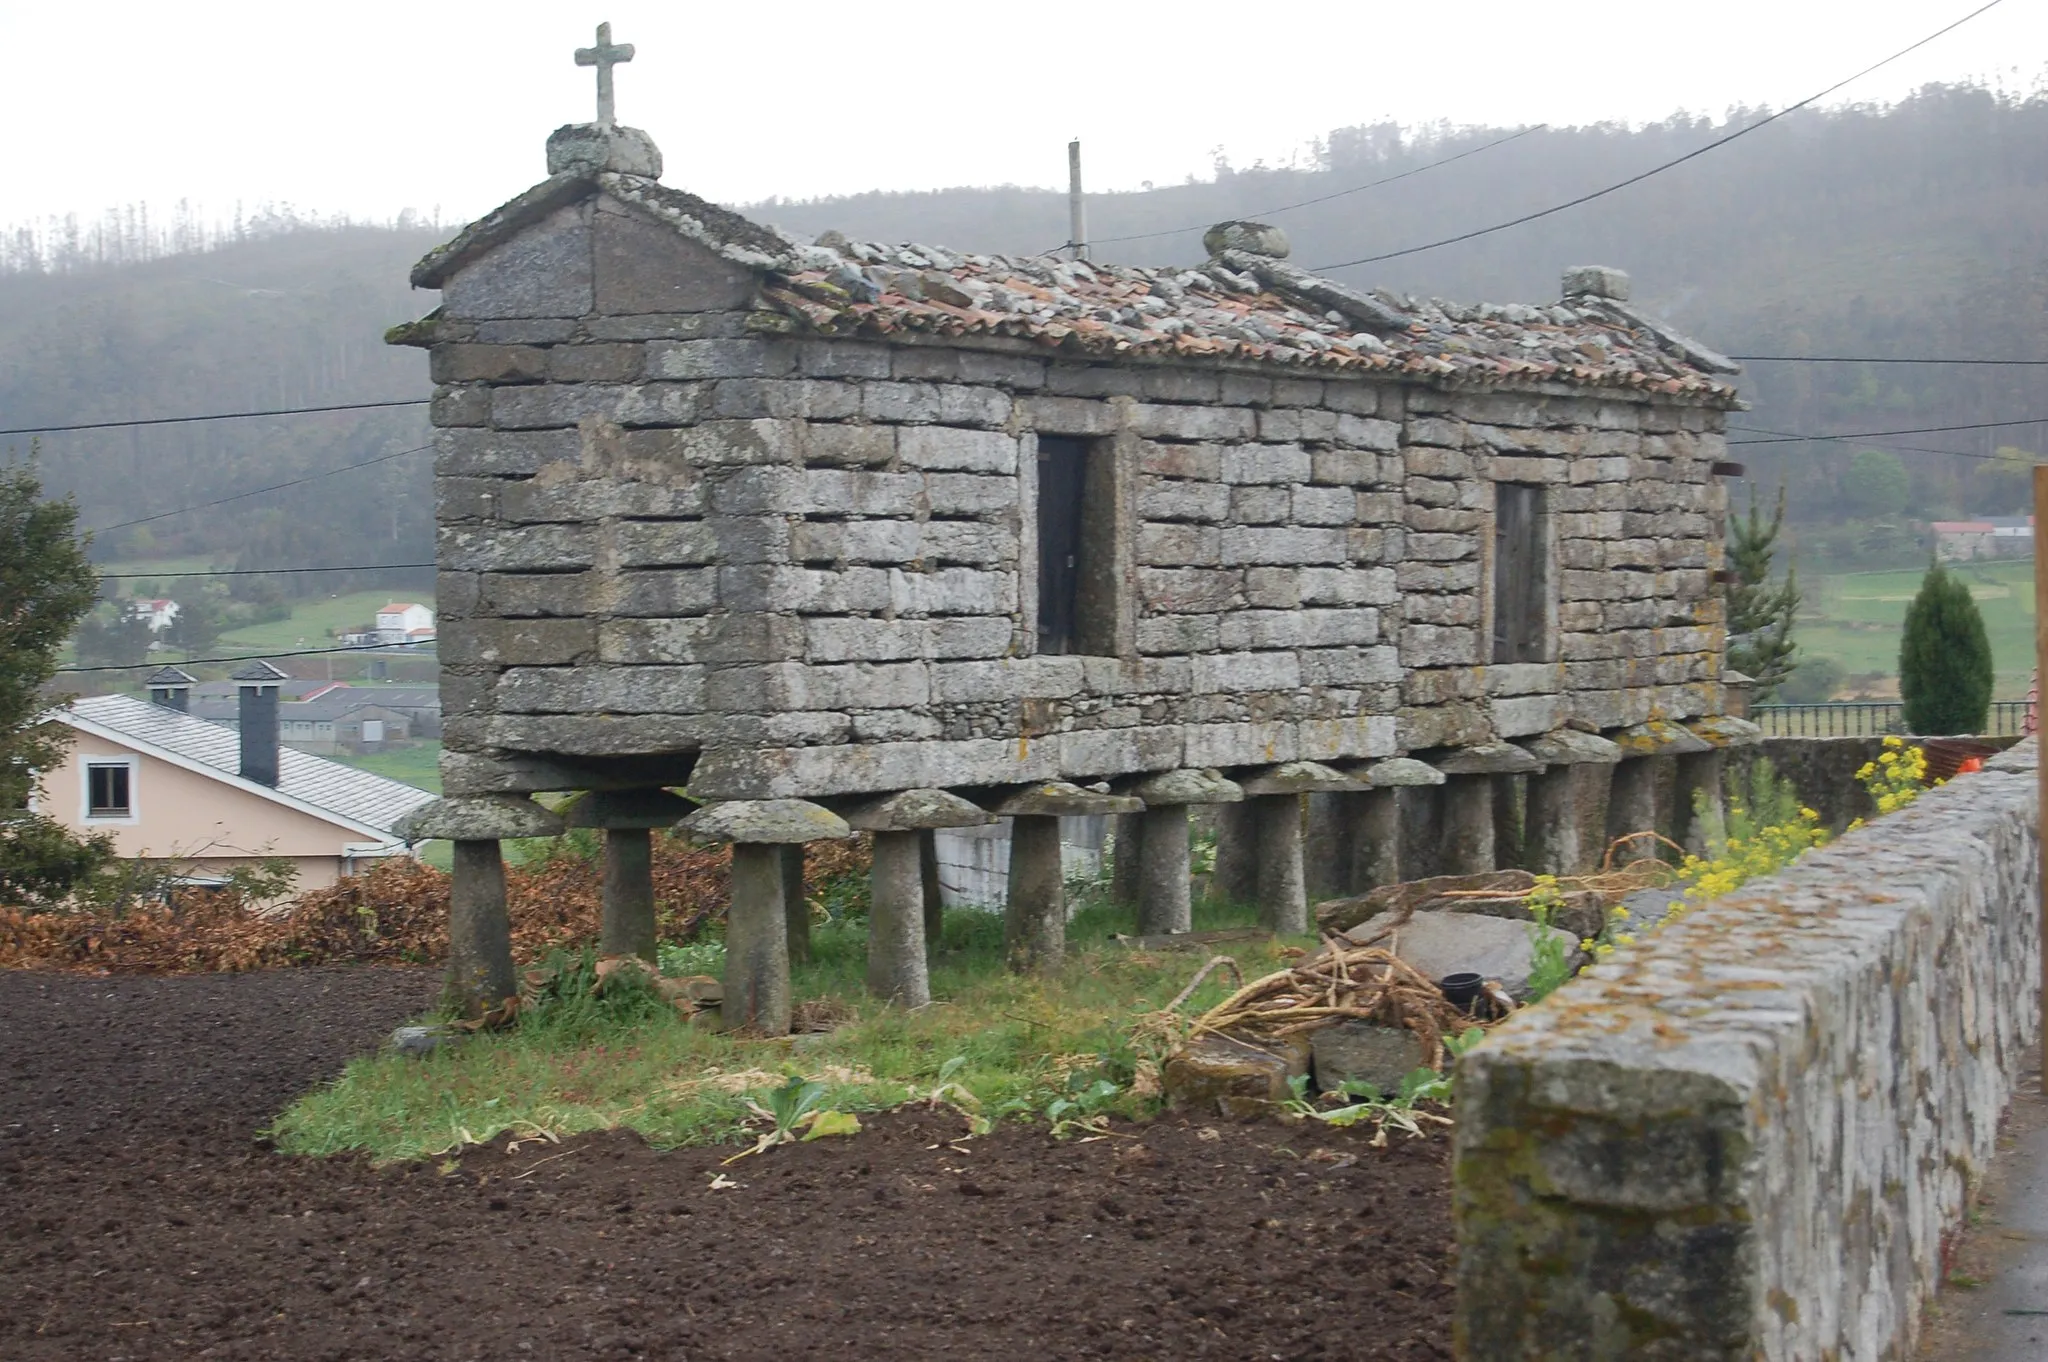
2041	767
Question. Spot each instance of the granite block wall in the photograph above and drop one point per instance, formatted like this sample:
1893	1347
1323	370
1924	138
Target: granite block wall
1747	1136
676	532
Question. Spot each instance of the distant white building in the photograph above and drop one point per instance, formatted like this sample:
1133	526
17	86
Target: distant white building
159	614
403	622
1989	537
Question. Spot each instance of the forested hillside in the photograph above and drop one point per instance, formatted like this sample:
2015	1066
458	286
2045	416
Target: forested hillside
1912	231
291	318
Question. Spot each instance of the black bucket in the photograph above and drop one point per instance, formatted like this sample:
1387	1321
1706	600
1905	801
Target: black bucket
1462	991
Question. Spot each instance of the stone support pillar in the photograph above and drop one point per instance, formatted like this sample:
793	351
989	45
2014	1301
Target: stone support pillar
1282	891
796	909
1035	911
1325	852
1632	803
900	921
1236	877
757	991
1373	830
1568	800
627	895
1647	772
1468	830
1732	742
627	818
1510	807
1035	908
480	976
897	970
1276	796
1165	896
1697	786
934	901
1128	859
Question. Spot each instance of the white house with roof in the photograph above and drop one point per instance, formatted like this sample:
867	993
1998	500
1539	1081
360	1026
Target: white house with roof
159	614
405	622
1994	536
206	798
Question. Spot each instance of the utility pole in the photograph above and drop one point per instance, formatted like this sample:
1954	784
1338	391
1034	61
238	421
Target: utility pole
1077	213
2041	771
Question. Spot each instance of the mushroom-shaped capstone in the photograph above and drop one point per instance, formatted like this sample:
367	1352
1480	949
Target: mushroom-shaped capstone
764	822
477	818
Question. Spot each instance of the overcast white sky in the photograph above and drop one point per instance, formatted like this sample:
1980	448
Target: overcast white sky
372	106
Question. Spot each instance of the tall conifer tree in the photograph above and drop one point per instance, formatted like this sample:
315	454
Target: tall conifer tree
1944	658
1759	612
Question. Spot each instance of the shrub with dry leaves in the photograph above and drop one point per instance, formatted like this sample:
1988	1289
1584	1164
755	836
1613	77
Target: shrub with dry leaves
394	913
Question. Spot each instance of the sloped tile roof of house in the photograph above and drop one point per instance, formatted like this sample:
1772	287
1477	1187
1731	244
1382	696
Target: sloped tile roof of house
1239	305
356	797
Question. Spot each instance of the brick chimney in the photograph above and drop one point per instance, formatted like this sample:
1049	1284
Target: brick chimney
171	688
256	712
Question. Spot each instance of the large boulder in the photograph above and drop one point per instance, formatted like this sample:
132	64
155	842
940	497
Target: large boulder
1422	896
1438	944
1365	1052
1233	1077
1582	912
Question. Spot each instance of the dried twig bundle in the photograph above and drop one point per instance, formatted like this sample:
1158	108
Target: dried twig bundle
1344	981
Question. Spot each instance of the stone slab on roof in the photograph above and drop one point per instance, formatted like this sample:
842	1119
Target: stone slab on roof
1238	307
356	797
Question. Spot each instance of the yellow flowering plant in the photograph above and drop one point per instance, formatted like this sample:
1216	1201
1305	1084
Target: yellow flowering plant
1766	828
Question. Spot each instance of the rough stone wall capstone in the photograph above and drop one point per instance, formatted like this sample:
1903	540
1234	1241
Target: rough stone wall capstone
1747	1136
669	527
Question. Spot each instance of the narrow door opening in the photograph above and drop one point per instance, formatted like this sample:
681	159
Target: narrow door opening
1062	484
1521	575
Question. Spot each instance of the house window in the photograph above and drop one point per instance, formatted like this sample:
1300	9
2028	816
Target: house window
109	791
1521	574
1062	483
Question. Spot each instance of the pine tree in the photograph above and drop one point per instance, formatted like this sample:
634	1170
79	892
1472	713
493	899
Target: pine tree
46	585
1944	659
1759	614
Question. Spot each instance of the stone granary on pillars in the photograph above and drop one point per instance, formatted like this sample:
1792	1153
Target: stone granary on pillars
837	535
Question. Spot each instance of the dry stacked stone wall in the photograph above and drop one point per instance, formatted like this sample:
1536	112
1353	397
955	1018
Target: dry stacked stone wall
1748	1136
668	526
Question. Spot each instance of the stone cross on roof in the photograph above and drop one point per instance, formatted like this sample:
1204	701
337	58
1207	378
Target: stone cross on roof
604	57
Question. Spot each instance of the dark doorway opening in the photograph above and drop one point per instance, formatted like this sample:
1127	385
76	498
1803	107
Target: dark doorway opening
1062	488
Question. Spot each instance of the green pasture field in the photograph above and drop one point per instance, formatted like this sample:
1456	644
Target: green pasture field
1856	618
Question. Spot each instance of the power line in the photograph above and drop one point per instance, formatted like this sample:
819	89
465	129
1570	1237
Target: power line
1878	444
1873	359
1325	198
257	572
211	416
1879	434
1660	169
258	491
243	657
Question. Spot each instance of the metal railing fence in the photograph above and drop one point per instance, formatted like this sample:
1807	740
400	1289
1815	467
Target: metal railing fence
1868	718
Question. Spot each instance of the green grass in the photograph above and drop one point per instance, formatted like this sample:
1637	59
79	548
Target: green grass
1857	618
315	623
1024	1041
417	765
